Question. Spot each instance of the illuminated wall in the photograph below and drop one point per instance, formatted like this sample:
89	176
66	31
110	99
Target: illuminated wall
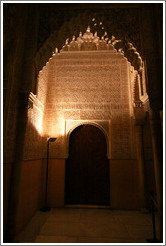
34	143
88	81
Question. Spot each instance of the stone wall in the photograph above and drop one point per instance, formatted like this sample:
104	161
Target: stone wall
31	195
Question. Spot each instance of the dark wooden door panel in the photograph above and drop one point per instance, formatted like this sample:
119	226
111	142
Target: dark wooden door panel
87	168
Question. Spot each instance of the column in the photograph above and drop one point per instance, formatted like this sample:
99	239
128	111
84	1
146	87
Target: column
23	76
155	125
141	167
16	168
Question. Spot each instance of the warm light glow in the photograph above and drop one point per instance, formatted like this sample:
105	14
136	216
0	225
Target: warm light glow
58	127
35	117
87	85
35	113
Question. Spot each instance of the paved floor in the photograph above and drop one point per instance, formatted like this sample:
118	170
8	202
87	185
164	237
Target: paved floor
70	225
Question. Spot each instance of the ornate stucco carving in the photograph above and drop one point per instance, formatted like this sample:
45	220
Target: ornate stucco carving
88	86
140	99
121	22
33	101
34	141
87	42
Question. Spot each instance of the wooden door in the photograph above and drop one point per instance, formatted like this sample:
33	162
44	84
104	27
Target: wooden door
87	168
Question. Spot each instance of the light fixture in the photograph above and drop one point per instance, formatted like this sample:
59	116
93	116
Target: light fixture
47	208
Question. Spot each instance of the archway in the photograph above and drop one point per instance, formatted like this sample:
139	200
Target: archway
87	168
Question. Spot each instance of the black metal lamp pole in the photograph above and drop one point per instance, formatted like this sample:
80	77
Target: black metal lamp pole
47	208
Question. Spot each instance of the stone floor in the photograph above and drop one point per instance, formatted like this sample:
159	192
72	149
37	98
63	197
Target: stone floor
70	225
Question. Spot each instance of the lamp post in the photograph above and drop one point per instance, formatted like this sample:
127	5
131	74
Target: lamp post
47	208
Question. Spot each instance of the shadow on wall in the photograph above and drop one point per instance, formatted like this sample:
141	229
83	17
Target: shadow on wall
31	183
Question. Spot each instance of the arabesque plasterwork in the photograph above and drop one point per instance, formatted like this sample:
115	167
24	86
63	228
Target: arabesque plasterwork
88	81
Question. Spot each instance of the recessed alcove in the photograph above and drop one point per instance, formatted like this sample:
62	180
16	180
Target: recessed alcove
90	82
106	77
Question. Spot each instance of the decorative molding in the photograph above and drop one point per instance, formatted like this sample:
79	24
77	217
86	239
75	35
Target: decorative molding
103	125
121	22
136	92
33	101
87	42
139	101
91	42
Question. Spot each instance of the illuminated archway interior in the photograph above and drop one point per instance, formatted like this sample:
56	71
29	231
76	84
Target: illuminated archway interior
107	76
89	82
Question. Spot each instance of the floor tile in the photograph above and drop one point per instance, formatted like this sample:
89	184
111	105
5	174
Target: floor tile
60	229
33	228
137	231
108	240
97	216
134	220
55	239
68	225
64	215
103	230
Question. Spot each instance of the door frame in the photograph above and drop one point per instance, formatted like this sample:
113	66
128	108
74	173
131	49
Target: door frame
107	143
103	125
